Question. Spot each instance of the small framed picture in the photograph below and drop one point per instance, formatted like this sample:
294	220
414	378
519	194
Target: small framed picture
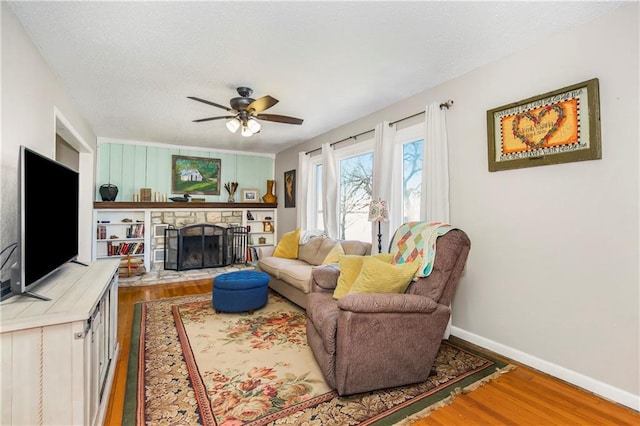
267	226
290	188
250	195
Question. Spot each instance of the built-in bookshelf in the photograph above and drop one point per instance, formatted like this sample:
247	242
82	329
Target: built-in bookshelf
261	227
120	234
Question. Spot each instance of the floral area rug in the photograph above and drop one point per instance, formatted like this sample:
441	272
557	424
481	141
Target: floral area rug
189	365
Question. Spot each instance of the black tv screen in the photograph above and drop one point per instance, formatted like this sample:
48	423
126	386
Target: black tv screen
48	216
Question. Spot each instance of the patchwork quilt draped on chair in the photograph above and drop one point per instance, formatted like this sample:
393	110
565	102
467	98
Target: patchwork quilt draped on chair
416	241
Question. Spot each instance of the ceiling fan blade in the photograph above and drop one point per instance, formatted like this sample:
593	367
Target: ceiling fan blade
261	104
279	118
213	118
210	103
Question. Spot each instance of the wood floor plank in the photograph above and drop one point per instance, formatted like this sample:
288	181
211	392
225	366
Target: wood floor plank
523	396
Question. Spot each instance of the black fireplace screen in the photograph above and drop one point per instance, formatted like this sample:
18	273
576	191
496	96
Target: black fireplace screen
204	246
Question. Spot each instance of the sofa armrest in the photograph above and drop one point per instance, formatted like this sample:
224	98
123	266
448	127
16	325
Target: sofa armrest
324	279
265	251
386	302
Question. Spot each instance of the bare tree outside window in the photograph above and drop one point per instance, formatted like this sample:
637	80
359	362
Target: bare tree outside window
356	189
356	180
412	180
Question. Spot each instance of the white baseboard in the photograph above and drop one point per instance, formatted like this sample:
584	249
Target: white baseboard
599	388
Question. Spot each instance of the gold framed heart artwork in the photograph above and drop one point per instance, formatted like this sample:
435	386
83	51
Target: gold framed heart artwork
556	127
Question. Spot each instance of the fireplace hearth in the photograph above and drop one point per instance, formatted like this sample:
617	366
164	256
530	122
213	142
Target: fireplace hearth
204	246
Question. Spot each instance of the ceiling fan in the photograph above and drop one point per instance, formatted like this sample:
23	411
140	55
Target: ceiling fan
246	111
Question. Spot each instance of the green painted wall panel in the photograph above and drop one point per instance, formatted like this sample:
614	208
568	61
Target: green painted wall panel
115	169
163	178
131	167
255	171
102	175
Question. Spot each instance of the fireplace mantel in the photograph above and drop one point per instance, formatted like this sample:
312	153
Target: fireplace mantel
179	205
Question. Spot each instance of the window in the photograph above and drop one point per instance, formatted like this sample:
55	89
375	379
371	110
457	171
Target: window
412	140
411	180
355	175
356	178
319	220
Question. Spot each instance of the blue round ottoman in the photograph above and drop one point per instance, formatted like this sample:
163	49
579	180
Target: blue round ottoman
240	291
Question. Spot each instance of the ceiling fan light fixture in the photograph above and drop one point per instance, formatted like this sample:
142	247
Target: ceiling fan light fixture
246	111
233	125
253	125
246	132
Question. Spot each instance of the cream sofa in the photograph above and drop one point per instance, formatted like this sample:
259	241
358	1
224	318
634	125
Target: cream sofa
292	277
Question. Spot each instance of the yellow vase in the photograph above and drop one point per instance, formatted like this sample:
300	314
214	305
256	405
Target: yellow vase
270	197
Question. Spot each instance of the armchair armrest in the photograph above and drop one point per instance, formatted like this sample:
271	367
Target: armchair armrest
324	278
387	303
265	251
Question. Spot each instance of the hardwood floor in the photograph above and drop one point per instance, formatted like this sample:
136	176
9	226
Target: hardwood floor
521	397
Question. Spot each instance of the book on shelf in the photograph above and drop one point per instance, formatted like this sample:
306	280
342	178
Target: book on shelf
135	231
102	232
252	255
124	248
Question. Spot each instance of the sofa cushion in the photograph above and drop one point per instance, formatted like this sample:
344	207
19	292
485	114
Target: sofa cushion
334	255
273	265
298	275
378	276
359	248
314	251
287	247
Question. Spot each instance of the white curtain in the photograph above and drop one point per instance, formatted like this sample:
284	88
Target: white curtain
387	181
329	191
435	170
302	186
435	173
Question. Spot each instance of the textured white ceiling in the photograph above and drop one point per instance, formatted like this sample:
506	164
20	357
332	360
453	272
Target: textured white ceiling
131	65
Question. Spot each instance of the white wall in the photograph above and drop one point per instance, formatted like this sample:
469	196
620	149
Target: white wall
552	279
33	101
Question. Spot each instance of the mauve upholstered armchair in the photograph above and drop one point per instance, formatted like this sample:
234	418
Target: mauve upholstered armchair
365	342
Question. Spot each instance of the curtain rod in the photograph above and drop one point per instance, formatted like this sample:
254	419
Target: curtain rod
342	140
446	105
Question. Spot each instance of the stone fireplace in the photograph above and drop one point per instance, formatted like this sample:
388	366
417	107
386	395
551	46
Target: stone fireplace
198	246
176	219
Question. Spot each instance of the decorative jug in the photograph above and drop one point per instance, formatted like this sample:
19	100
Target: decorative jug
270	197
108	192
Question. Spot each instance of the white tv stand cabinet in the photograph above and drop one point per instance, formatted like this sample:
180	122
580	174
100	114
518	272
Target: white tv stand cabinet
58	357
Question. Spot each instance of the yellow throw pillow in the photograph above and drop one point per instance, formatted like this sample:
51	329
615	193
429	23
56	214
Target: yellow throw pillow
350	266
334	254
287	247
377	276
385	257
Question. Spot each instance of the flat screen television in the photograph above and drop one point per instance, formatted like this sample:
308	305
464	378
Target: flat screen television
47	221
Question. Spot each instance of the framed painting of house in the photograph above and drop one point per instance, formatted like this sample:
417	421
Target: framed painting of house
195	175
556	127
